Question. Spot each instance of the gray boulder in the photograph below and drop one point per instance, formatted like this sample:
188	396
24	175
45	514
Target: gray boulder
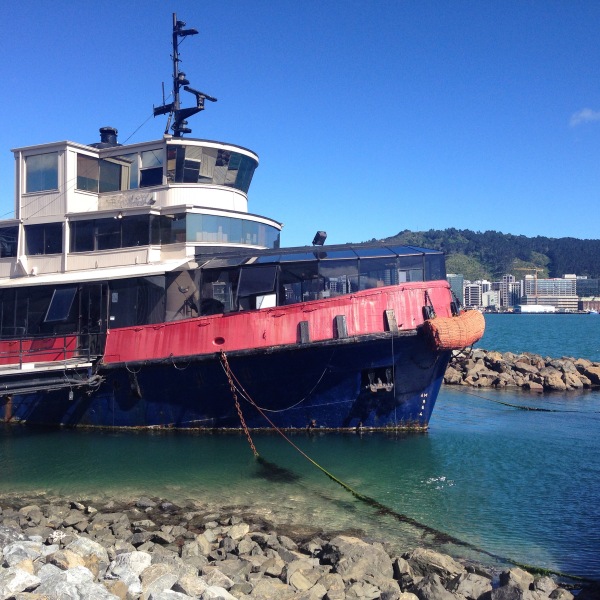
470	585
424	561
432	588
74	584
355	560
14	580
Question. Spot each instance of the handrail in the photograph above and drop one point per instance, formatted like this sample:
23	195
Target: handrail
51	348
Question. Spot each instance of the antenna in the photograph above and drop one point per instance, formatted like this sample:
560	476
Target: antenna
178	114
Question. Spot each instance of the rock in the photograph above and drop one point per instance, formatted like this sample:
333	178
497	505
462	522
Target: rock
21	550
562	594
272	589
128	567
189	584
14	580
237	532
168	595
214	592
10	534
355	560
545	585
424	561
517	577
94	555
76	584
533	386
470	585
432	588
554	381
593	374
145	502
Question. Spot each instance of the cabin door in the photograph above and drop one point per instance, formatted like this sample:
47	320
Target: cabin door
93	318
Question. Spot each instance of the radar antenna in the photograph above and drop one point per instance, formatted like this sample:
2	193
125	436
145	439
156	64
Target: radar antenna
176	113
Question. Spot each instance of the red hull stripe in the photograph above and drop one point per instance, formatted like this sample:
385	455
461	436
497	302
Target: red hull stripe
364	312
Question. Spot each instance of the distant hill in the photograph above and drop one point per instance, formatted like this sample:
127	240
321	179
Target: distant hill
492	254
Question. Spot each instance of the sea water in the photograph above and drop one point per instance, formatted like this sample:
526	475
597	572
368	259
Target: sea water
498	481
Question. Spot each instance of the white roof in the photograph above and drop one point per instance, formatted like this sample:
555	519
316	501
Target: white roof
94	274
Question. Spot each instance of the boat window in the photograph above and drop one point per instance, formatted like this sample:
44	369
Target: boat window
217	291
195	164
300	282
8	241
168	229
410	268
113	175
60	305
135	231
378	251
339	276
41	172
377	272
182	297
335	254
87	173
107	234
215	228
435	267
43	239
403	250
137	301
151	172
257	280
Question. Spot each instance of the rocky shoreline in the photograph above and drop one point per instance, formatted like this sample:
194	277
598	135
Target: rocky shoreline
153	549
490	369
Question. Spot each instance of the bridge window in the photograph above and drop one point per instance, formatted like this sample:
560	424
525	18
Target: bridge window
106	234
8	241
195	164
151	172
41	172
44	239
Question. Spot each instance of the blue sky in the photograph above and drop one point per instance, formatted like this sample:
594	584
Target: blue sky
368	117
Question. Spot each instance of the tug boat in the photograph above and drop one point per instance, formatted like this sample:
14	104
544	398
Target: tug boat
137	290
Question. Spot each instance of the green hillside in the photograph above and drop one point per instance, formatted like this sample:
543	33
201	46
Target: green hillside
491	254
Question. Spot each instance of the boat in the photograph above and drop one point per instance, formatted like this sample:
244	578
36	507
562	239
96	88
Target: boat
137	290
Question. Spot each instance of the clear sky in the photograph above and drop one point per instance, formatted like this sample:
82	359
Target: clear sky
369	117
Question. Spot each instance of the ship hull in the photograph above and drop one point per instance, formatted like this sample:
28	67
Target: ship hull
377	381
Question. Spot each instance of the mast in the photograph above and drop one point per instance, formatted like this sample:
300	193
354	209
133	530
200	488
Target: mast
173	109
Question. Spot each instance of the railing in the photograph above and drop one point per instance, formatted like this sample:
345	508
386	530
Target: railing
51	349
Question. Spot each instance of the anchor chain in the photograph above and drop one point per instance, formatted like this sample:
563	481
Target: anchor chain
237	403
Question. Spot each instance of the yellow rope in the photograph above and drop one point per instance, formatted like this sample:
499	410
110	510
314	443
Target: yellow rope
438	535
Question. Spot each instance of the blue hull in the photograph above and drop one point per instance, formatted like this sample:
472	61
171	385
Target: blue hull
379	382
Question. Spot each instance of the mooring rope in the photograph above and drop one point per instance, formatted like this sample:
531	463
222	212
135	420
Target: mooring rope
237	403
525	407
438	535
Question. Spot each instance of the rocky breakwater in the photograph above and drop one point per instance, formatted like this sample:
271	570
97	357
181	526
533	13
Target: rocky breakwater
489	369
155	550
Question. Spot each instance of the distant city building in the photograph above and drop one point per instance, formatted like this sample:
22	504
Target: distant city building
588	287
490	299
558	292
510	291
457	283
473	295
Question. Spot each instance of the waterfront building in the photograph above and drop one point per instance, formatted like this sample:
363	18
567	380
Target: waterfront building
510	291
558	292
587	287
472	295
490	299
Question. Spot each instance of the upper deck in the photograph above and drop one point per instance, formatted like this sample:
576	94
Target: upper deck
81	207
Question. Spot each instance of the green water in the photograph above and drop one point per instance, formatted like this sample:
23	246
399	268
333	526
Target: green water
519	484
